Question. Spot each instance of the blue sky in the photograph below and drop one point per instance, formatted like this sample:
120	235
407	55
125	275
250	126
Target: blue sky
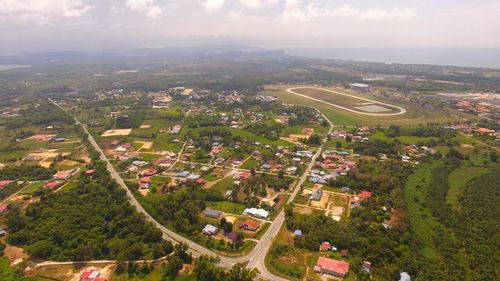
29	25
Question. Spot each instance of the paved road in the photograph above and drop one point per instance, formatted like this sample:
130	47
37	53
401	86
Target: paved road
258	253
401	110
256	258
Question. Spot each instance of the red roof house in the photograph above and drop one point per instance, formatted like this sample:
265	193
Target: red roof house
325	246
162	161
365	195
332	267
51	185
89	172
92	275
4	183
200	181
4	208
250	225
242	175
63	175
149	172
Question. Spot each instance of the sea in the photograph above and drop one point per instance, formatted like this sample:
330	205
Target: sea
467	57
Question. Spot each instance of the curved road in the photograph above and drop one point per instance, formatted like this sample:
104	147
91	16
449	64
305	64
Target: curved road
256	257
401	110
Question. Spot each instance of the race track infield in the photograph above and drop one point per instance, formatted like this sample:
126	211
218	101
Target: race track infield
348	102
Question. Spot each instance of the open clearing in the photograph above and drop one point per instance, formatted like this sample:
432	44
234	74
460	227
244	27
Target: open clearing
347	101
414	115
116	132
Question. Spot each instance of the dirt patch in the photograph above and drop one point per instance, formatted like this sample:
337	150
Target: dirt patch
70	163
41	137
302	210
45	164
144	192
15	254
323	203
145	126
116	132
298	137
145	144
396	217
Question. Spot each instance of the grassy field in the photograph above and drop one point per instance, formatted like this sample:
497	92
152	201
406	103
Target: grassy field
32	188
414	115
8	273
422	221
155	275
341	100
459	178
227	207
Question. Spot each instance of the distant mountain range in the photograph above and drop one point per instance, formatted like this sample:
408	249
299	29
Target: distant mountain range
146	54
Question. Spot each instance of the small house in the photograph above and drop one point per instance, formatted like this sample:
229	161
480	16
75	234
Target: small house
331	267
250	225
210	213
209	230
325	246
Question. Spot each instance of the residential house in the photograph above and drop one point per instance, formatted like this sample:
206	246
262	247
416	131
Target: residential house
332	267
325	246
297	232
209	230
266	166
4	208
51	185
404	276
249	225
259	213
182	174
149	172
364	195
210	213
233	236
64	175
317	194
5	183
92	275
242	175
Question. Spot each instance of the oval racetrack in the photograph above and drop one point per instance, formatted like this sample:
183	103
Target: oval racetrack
400	112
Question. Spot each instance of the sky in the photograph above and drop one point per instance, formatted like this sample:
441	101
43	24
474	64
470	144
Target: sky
49	25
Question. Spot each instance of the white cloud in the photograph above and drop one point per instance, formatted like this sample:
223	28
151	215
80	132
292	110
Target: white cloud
294	11
43	11
212	5
148	6
367	14
257	4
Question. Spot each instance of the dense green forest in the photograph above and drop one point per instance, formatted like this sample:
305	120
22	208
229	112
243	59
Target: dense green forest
91	220
462	242
390	249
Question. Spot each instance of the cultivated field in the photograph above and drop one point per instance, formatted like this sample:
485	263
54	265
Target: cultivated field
349	108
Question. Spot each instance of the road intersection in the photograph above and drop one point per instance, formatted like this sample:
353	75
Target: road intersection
255	259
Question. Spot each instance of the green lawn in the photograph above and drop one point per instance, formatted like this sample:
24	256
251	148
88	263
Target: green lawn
421	219
223	185
249	164
8	273
227	207
459	178
32	188
404	139
155	275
